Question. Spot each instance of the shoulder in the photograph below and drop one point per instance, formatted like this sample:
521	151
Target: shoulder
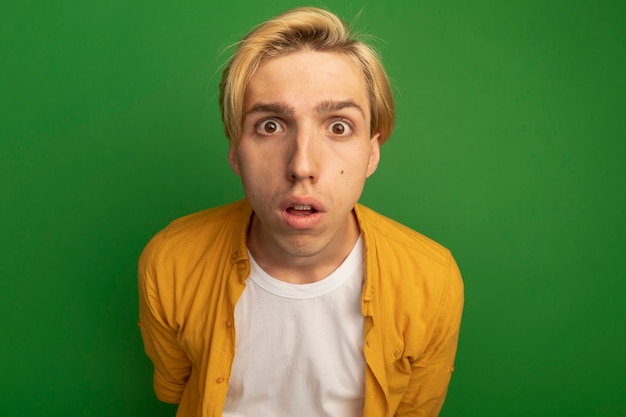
196	223
190	236
416	278
405	264
396	239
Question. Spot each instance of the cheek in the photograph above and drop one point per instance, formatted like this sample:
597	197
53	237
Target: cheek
257	177
353	169
252	177
250	165
349	179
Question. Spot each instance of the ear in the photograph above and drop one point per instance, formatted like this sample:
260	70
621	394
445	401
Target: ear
374	156
232	159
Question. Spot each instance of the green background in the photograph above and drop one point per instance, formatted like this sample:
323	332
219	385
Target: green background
510	149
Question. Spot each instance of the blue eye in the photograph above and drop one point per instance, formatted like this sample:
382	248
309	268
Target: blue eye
269	127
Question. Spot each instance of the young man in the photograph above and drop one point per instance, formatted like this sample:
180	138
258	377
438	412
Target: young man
298	301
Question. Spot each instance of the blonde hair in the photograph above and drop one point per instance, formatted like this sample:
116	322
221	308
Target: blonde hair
305	27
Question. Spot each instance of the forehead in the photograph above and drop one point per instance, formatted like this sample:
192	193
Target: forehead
306	78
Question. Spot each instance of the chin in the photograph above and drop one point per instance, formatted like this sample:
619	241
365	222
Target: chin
302	247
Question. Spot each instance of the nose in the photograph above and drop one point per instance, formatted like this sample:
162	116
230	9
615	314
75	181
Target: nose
304	157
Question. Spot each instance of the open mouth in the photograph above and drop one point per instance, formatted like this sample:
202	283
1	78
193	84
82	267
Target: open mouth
301	209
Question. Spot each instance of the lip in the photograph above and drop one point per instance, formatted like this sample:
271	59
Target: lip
301	221
301	201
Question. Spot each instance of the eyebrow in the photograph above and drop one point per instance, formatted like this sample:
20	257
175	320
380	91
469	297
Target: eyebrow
326	106
270	108
329	106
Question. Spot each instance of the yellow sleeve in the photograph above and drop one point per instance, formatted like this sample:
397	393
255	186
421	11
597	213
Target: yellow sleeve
431	374
159	330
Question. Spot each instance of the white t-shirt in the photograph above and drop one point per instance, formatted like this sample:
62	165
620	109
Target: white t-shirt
299	347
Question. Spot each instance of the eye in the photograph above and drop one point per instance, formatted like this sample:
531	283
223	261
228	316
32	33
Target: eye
269	127
340	128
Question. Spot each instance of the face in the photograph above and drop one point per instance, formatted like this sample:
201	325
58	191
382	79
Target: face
304	154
